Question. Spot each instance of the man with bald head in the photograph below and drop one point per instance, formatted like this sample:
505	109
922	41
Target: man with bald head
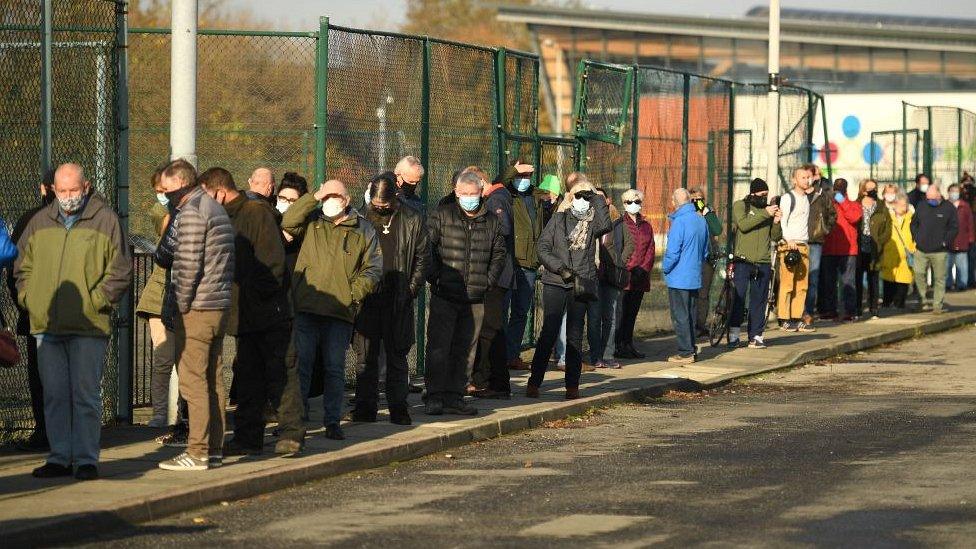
409	173
73	265
687	249
261	184
338	265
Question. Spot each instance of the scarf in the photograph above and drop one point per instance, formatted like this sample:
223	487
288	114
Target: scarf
580	236
868	212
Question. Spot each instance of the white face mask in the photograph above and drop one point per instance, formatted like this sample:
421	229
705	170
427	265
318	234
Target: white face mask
632	209
581	205
282	205
332	207
923	187
890	197
162	198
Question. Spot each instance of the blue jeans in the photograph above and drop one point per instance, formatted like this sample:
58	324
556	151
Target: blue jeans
960	281
755	278
813	280
71	374
561	343
601	321
331	336
521	306
683	309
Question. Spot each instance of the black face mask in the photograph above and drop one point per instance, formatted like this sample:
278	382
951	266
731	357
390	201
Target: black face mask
757	201
175	197
383	211
872	194
408	189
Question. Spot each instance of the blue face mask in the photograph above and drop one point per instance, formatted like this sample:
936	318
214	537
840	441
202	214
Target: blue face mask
839	196
469	203
522	184
933	202
162	198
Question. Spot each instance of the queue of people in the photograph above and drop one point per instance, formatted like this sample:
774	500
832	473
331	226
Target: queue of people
298	277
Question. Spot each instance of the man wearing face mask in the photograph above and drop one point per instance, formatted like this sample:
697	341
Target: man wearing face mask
756	226
468	255
409	173
198	248
918	194
73	265
260	316
934	227
567	251
527	212
386	321
339	264
687	249
959	247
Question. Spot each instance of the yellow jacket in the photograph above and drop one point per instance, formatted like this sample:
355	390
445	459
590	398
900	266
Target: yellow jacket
894	258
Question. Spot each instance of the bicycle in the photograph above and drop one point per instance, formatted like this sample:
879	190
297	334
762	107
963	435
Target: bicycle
717	323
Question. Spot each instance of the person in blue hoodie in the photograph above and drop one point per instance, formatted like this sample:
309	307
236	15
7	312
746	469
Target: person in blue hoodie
687	248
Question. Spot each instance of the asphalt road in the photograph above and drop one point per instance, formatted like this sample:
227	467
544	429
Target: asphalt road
875	450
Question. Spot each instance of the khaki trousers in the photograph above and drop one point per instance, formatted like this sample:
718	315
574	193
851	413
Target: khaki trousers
199	344
792	284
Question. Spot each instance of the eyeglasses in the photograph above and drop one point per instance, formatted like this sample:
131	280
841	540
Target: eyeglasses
286	199
638	202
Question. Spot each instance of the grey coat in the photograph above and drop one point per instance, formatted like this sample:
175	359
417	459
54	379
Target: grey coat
553	246
202	276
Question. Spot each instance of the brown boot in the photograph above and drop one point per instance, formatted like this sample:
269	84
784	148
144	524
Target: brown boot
572	393
531	391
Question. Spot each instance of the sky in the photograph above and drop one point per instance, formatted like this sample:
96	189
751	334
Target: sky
388	14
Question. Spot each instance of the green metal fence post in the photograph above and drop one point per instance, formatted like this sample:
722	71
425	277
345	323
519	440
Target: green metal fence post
927	157
904	144
424	193
578	114
47	39
823	119
812	110
500	117
126	332
321	100
635	127
958	145
686	93
730	176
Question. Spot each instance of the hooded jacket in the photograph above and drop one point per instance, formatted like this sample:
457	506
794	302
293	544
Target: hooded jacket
468	253
337	266
553	249
687	249
68	279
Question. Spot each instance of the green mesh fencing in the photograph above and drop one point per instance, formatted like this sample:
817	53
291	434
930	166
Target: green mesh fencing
83	126
948	140
896	156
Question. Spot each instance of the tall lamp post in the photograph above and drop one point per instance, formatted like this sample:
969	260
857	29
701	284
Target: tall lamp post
183	81
772	103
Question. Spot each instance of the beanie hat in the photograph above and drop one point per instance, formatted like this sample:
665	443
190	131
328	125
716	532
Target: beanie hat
758	186
551	184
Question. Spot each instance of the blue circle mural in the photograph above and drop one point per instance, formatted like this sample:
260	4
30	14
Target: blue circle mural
851	125
814	153
872	153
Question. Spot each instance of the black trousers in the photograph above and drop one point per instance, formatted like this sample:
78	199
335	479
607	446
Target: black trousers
864	269
630	305
260	374
35	388
557	301
895	294
491	364
374	331
452	342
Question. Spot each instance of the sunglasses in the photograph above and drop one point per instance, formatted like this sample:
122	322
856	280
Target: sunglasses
638	201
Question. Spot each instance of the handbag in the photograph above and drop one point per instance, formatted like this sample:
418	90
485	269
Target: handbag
909	256
584	289
9	352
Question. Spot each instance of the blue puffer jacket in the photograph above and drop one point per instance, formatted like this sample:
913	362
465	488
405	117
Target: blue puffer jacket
686	250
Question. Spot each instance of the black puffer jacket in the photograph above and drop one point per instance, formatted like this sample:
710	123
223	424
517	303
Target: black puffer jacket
467	253
554	252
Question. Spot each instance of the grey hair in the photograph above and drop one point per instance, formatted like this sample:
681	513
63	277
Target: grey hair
680	196
469	178
632	194
410	162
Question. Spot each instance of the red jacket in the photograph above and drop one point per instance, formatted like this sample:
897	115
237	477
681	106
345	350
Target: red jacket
842	239
965	236
643	255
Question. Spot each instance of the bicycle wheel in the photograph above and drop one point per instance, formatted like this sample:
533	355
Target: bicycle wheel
718	320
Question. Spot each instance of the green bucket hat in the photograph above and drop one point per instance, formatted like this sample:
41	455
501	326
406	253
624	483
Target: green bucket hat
552	184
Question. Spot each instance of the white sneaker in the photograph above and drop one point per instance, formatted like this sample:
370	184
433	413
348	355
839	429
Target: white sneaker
757	343
184	462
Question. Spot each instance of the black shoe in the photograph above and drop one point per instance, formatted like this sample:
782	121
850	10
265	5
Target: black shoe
416	388
434	406
400	417
623	352
52	470
492	394
633	350
364	416
37	442
334	432
234	448
86	472
460	408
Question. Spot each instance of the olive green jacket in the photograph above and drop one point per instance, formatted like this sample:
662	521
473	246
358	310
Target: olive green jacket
754	230
68	279
151	298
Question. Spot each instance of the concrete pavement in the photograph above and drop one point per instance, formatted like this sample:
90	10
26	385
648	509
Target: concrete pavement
133	490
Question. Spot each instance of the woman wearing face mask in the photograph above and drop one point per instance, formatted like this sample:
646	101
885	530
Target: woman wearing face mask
889	194
874	232
291	188
567	251
840	256
897	257
957	270
616	248
639	266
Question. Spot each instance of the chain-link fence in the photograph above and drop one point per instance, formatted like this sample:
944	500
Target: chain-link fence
895	156
58	103
948	141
